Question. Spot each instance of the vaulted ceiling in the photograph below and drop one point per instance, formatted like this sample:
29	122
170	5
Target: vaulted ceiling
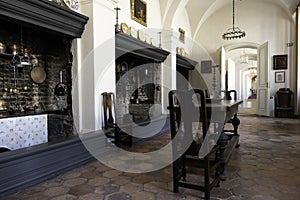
199	10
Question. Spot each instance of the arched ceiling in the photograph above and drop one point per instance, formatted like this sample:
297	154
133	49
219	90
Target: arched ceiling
200	10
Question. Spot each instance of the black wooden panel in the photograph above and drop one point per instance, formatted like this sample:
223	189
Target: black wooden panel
127	45
28	166
185	62
44	14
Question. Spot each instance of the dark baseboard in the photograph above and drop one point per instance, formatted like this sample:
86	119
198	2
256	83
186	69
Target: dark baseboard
22	168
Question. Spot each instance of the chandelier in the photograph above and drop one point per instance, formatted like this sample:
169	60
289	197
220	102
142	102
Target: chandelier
234	32
244	57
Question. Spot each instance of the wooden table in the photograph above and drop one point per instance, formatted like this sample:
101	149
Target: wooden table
222	112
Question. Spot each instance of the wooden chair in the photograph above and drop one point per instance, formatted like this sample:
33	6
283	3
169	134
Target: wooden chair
230	94
111	129
182	116
284	103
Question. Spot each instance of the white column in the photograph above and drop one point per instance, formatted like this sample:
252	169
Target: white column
168	67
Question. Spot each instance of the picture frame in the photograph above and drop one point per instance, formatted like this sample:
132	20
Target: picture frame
206	66
181	35
139	11
280	77
280	62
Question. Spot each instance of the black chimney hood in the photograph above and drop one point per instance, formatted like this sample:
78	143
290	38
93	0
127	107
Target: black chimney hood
44	14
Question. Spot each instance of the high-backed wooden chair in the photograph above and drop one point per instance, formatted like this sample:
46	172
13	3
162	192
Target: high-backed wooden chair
185	148
111	128
284	103
229	95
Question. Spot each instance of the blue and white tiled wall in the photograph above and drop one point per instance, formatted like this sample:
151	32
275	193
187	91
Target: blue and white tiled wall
21	132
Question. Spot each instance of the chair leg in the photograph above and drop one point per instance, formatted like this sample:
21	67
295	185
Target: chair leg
206	179
217	172
183	164
175	177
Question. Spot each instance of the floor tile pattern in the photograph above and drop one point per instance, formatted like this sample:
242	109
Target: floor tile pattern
265	167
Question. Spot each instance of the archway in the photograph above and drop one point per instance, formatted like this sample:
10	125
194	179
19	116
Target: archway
241	65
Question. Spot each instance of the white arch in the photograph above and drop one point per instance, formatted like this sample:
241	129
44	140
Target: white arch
250	45
176	8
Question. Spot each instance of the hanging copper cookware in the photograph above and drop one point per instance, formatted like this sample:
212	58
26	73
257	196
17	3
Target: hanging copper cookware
60	88
37	73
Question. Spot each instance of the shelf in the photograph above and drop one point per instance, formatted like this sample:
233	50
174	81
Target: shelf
44	14
185	62
6	55
127	45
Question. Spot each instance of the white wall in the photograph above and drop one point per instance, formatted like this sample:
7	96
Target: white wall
195	51
153	17
231	74
96	69
96	56
262	21
181	20
84	113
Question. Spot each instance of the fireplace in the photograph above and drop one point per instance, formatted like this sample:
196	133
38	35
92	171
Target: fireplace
39	27
47	31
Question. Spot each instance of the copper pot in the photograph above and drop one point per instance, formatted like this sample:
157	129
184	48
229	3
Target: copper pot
2	47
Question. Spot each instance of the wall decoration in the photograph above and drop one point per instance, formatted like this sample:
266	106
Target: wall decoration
280	62
139	11
206	66
181	35
280	77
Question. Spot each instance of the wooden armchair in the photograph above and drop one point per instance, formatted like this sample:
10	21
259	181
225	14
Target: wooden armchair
185	147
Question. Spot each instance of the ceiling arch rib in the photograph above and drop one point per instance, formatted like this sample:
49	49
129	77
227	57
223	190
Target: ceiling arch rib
176	8
164	7
203	11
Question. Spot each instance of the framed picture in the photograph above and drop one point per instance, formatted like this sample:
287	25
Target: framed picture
206	66
280	62
280	77
139	11
181	35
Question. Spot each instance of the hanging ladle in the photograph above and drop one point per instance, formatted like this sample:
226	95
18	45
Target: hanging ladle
60	88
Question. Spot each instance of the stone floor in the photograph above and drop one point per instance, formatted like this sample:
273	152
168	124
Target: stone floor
265	167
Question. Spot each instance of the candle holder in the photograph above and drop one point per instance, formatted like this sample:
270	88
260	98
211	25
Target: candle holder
117	25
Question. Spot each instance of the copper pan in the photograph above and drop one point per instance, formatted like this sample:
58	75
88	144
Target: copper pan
38	74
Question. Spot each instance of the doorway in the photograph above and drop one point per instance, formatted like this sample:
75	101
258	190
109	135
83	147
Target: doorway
240	61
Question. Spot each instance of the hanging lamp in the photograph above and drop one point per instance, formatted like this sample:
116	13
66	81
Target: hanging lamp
244	58
234	32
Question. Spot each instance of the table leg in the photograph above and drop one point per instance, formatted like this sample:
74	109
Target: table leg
222	142
235	123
